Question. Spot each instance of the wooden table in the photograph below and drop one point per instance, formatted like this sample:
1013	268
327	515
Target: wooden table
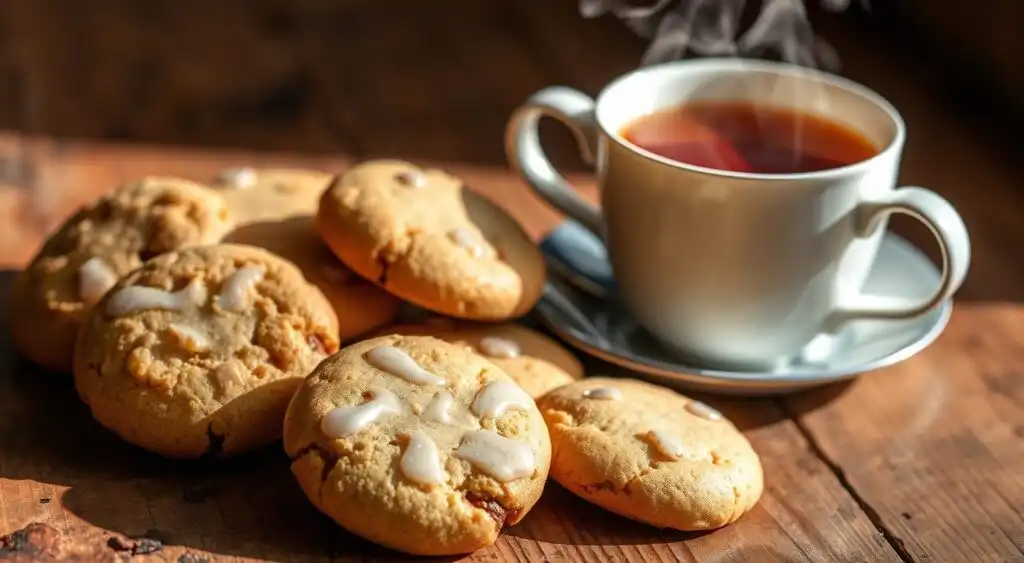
922	461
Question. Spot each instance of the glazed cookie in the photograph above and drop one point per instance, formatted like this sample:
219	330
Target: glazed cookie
198	352
360	305
271	194
650	454
427	239
95	247
537	363
417	444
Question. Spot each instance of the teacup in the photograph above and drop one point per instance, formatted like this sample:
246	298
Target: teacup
738	269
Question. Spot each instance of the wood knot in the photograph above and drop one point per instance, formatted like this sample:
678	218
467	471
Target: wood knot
30	542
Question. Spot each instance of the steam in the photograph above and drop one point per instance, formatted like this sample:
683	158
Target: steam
712	28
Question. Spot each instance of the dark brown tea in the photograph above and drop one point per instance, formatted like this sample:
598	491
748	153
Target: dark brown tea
746	137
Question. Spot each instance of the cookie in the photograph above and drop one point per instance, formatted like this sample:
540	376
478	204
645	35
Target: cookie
360	305
198	352
417	444
534	361
99	244
426	238
271	194
650	454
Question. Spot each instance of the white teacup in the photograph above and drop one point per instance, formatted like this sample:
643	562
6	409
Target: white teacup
735	269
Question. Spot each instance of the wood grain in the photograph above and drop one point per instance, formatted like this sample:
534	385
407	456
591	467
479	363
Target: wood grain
932	447
919	462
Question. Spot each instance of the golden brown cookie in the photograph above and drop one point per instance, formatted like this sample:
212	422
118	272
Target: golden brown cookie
417	444
423	236
360	305
103	241
534	361
199	351
271	194
650	454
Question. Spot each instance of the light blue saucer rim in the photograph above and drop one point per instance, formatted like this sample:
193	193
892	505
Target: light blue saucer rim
735	382
745	383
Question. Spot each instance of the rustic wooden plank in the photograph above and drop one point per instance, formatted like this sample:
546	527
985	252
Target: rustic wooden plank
933	446
938	455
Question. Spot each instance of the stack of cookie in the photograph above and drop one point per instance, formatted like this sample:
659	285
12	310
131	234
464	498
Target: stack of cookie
208	321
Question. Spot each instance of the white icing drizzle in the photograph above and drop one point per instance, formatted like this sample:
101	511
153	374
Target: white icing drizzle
95	277
341	422
137	298
499	397
421	461
668	444
496	347
411	179
238	178
396	362
702	410
603	393
189	338
467	239
502	458
235	291
440	408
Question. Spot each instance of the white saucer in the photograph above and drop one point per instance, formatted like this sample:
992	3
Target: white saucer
582	310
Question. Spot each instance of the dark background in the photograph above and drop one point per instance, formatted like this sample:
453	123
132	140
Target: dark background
436	81
432	79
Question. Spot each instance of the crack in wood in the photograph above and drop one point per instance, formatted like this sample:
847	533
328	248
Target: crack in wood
895	542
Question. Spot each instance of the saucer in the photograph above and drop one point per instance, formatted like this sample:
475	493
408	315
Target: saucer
580	308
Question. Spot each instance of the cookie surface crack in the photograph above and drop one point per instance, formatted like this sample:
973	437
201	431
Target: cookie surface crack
501	514
216	444
385	264
329	459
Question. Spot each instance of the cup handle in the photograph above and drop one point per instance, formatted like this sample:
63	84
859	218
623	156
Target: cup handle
950	232
522	146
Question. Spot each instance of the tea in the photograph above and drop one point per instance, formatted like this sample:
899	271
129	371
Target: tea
745	137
